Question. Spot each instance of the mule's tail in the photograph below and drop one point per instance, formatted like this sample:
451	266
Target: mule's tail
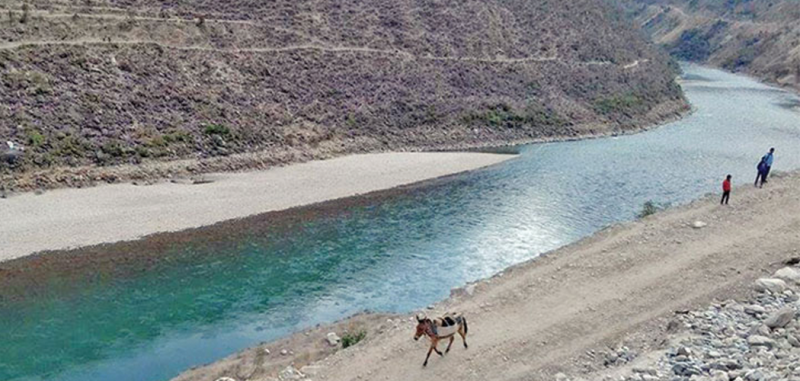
466	328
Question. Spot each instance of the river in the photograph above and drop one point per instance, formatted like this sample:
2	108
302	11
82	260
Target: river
209	296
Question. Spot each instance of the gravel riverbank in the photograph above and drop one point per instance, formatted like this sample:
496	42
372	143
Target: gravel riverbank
82	217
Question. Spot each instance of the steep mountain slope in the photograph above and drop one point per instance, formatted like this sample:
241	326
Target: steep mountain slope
761	38
89	83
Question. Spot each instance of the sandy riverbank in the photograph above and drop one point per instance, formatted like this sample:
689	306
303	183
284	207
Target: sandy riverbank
563	312
68	218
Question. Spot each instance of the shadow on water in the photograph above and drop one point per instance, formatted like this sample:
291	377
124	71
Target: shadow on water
146	310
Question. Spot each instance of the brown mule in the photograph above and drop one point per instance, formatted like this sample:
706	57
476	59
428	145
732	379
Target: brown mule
441	328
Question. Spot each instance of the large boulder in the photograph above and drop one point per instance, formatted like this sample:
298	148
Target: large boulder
333	339
10	156
789	274
780	318
775	286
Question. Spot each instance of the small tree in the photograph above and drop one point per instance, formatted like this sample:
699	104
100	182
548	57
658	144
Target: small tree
352	338
25	13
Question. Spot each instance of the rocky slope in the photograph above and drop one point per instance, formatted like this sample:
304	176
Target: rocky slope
761	38
102	83
757	339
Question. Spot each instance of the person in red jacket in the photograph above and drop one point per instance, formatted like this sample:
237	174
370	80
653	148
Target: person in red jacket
726	190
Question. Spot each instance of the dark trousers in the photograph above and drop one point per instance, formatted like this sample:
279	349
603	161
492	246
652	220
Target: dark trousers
762	176
766	173
725	197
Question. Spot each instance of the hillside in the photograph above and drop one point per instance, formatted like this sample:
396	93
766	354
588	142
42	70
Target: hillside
758	38
89	85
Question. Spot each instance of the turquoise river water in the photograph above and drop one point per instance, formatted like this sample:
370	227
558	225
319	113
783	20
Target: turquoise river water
209	297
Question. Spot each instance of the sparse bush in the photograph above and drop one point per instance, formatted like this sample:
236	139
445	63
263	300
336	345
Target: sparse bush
129	22
25	13
114	149
650	208
201	21
352	338
351	121
143	151
71	146
503	115
622	103
432	116
533	88
177	137
157	141
34	82
216	129
35	138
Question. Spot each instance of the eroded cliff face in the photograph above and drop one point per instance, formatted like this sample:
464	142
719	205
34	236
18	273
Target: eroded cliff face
761	38
104	83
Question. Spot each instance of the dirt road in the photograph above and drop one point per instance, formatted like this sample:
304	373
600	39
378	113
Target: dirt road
558	313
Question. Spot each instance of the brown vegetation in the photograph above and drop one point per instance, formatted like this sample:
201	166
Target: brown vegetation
124	82
756	37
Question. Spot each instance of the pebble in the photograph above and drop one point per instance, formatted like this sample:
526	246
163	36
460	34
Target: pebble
754	309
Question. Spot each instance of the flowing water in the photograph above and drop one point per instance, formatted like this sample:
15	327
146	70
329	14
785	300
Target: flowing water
208	297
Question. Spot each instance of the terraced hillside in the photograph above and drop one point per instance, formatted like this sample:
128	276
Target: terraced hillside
761	38
88	85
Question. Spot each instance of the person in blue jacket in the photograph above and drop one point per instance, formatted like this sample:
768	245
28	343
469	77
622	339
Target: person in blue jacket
768	159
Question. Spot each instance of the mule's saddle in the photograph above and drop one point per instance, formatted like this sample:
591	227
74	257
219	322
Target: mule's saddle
447	325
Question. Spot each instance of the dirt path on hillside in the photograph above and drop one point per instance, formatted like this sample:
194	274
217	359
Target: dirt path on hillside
323	48
552	314
316	45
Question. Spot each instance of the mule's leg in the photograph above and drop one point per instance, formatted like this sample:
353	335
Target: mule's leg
428	356
436	349
450	344
463	337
